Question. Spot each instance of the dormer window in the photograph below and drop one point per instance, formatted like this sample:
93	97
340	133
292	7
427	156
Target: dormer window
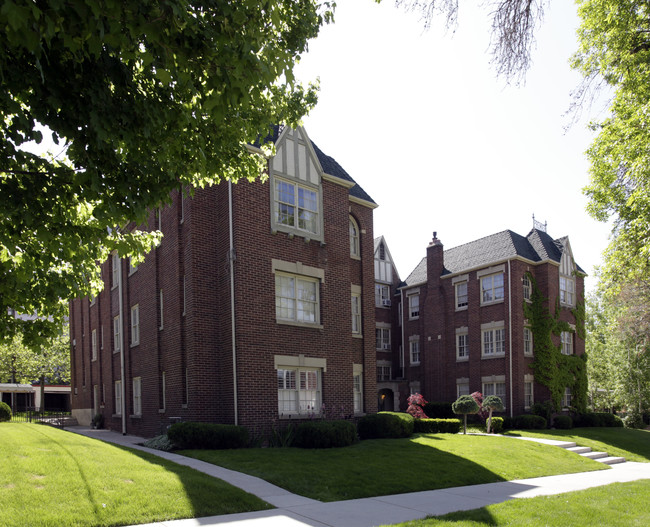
296	206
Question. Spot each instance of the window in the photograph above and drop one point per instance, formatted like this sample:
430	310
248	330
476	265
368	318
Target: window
495	388
299	391
356	313
382	295
492	288
117	338
526	287
462	387
494	342
118	397
566	399
462	346
384	373
528	342
354	239
115	268
162	324
297	299
414	306
357	383
461	295
567	288
296	206
566	338
414	347
132	267
135	325
137	396
528	393
382	337
94	344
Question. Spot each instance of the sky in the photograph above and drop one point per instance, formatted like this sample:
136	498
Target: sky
420	120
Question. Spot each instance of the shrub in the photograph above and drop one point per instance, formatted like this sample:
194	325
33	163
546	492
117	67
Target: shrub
497	425
385	425
5	412
437	426
98	421
543	409
209	436
161	442
633	420
610	420
282	437
588	419
439	410
416	402
492	403
529	421
508	423
562	422
325	434
465	404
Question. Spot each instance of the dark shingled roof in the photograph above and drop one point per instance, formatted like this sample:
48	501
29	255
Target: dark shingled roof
538	246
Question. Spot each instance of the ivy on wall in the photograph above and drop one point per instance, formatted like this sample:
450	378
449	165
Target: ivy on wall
550	367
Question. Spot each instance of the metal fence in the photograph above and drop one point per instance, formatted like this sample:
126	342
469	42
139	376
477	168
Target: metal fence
34	415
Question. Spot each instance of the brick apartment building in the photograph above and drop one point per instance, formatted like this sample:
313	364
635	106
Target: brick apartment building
256	308
463	316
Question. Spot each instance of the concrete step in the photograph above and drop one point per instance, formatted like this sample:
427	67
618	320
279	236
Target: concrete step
595	455
611	460
579	449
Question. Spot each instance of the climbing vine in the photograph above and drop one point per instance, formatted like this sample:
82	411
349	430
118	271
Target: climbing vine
550	367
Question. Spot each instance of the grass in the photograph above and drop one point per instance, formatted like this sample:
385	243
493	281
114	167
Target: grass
633	445
394	466
49	477
615	504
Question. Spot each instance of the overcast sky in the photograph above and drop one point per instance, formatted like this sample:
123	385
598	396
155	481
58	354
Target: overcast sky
421	122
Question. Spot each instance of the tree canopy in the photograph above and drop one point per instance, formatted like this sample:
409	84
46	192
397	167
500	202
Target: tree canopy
139	97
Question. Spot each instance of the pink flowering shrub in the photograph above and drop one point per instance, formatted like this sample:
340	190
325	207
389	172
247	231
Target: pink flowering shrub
482	412
416	402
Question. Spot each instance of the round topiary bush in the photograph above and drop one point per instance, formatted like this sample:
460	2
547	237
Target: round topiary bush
5	412
325	434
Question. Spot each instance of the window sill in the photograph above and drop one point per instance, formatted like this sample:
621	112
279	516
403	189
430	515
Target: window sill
300	416
116	351
528	355
299	324
134	345
493	356
139	416
357	336
117	415
355	257
462	359
161	410
492	302
461	308
414	318
414	364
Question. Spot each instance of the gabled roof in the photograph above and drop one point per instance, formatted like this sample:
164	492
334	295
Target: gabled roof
378	241
537	246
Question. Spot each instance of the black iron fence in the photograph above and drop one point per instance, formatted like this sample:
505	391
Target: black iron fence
34	415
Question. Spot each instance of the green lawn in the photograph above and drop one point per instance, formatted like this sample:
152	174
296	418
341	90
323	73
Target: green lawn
394	466
633	445
49	477
615	504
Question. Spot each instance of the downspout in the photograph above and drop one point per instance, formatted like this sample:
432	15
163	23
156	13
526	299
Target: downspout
122	347
231	265
510	333
401	320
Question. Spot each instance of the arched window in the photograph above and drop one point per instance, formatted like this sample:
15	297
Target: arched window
354	238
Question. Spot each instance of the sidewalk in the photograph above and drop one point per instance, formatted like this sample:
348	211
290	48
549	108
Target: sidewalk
298	511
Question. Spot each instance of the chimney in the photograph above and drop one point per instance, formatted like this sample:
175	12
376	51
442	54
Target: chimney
435	260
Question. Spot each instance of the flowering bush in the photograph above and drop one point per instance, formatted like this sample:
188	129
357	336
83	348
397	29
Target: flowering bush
482	412
416	402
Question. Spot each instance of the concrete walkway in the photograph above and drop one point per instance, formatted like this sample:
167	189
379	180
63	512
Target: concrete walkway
298	511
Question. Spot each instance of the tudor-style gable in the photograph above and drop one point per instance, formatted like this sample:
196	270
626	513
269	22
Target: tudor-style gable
567	274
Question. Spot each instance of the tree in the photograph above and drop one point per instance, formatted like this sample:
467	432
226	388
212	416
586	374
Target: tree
139	98
416	403
614	39
492	403
464	405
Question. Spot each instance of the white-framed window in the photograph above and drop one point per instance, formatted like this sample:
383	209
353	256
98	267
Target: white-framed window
162	318
132	267
354	239
118	397
492	288
356	313
567	291
382	295
93	344
566	398
115	269
137	396
117	333
296	206
297	298
414	305
299	391
135	325
382	338
529	398
528	342
414	348
566	337
493	341
384	373
462	346
497	388
526	287
462	387
357	384
461	295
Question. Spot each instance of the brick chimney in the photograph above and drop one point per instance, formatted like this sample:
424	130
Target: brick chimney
435	261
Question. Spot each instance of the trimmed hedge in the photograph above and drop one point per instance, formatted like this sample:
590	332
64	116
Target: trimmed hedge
325	434
209	436
598	419
437	426
5	412
610	420
562	422
497	425
529	421
439	411
385	425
